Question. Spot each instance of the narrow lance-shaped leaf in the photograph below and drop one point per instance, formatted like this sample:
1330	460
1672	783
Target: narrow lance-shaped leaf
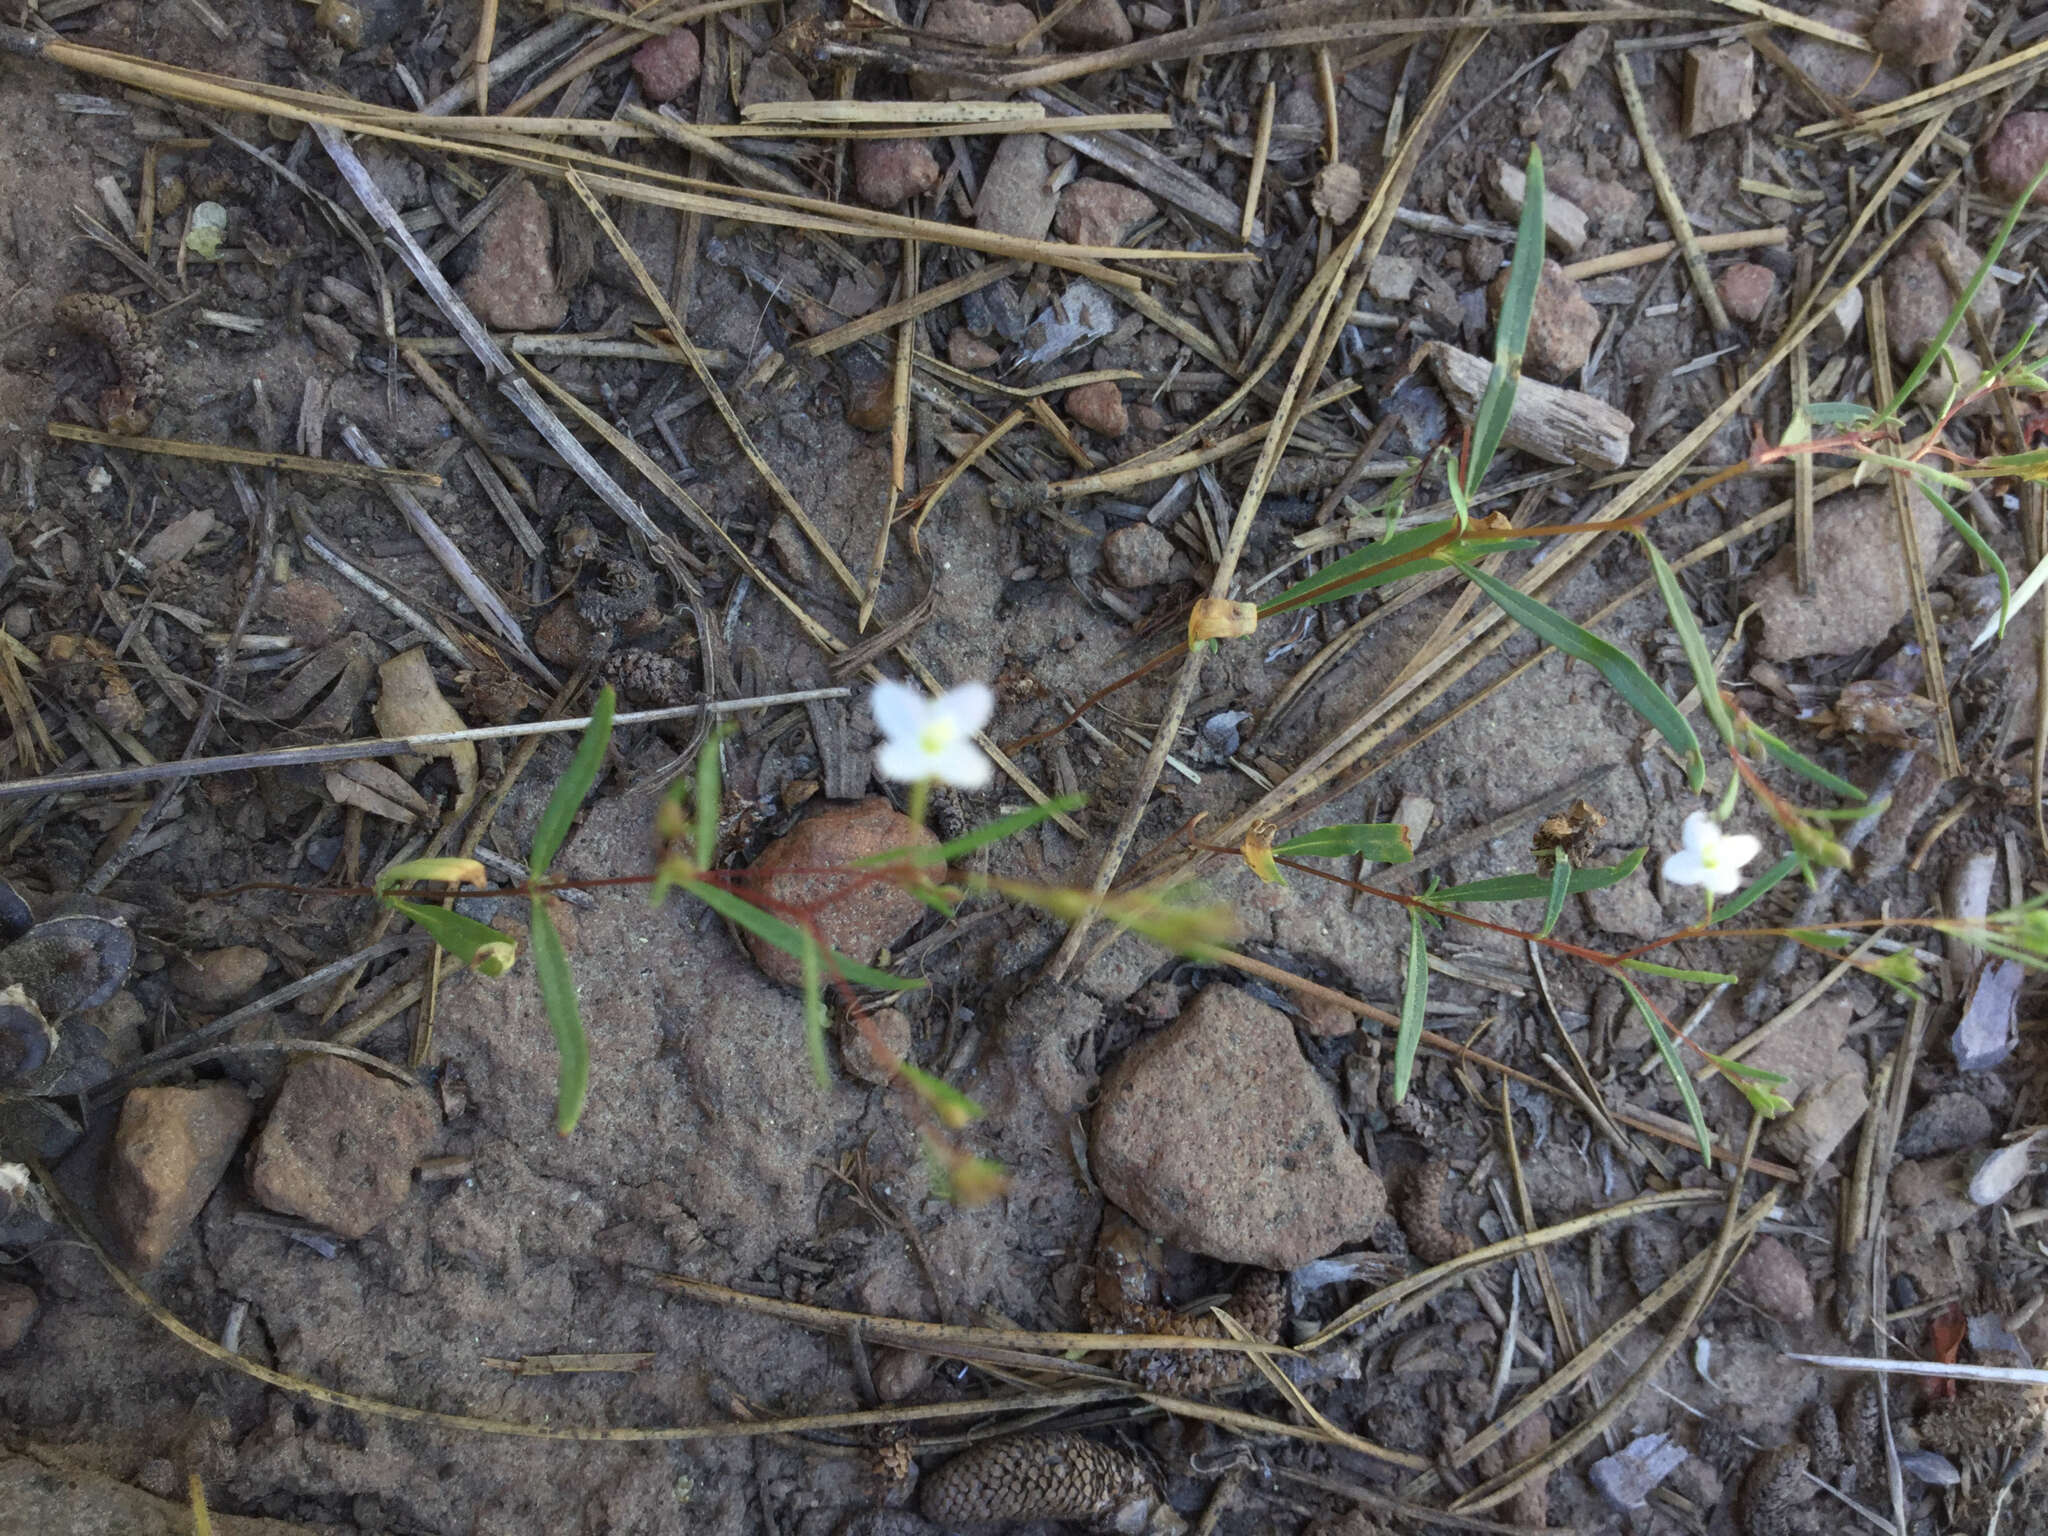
1384	561
1511	331
1694	643
477	945
709	794
1983	551
1669	1051
1560	888
1384	842
1414	1006
1596	877
814	1010
1785	754
980	837
448	871
565	1018
1622	673
574	784
790	939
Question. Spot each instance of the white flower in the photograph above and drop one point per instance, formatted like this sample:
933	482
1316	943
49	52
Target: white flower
932	738
1710	856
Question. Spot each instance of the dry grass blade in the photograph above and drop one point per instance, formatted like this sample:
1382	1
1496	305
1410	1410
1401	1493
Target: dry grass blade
880	320
216	453
1667	194
1646	255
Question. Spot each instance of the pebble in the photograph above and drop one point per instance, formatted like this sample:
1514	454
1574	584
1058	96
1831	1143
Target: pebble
1093	212
859	1057
1217	1136
1861	591
900	1373
1338	192
1948	1122
966	350
888	173
17	1314
1391	279
1562	325
1094	24
511	286
1774	1278
170	1149
563	636
312	615
1719	87
1845	72
215	978
1917	295
1137	556
1745	290
1917	32
772	78
1100	408
339	1146
176	539
2013	158
979	23
870	402
668	65
1015	197
861	922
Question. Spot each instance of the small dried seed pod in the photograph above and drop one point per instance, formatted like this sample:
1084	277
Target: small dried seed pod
1047	1477
343	20
130	406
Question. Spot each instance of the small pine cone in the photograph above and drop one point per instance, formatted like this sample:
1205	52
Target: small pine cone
1035	1477
130	406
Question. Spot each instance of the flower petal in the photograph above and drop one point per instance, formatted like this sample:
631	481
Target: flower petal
899	709
961	764
1722	879
1700	832
1686	867
970	706
903	761
1738	850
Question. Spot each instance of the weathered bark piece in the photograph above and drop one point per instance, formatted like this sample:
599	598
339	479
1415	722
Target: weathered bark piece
1558	425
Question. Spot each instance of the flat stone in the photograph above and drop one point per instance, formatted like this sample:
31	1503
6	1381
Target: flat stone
215	978
668	65
1391	279
1564	221
1094	212
1861	588
1016	196
1746	289
1720	88
1773	1277
888	173
858	1055
858	921
176	539
312	615
966	350
979	23
1562	325
339	1145
1918	295
1917	32
1094	24
18	1307
1587	47
1099	407
1845	73
772	78
2013	158
1337	192
1948	1122
1137	556
1216	1136
511	286
170	1148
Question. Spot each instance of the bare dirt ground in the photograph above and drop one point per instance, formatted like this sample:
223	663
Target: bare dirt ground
707	1149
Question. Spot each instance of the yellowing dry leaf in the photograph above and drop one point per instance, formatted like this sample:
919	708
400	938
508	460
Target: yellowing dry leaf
409	703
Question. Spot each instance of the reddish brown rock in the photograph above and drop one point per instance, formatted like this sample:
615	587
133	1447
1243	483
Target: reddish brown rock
563	636
979	23
1861	591
2014	157
668	65
1745	290
1917	32
1216	1136
1562	326
512	285
1918	294
216	978
888	173
1094	24
1100	408
1137	556
857	920
312	615
1093	212
169	1150
966	350
1772	1276
339	1146
17	1314
892	1025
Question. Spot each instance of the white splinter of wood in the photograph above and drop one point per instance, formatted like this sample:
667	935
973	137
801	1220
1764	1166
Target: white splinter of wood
1561	426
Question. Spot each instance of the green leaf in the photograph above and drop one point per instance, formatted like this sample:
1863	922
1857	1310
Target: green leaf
1818	938
1978	547
1669	1051
967	842
1622	673
558	995
1414	1004
1760	887
1384	842
1936	347
1757	1085
1704	978
814	1010
1851	414
710	793
1898	970
448	871
953	1107
1560	888
477	945
790	939
563	804
1595	877
1788	756
1334	580
1697	654
1510	332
